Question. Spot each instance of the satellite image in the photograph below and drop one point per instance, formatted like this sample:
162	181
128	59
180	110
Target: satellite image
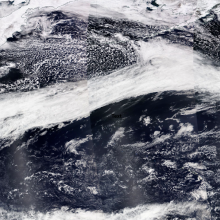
110	110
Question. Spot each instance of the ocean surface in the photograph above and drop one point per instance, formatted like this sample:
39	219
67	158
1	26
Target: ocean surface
110	110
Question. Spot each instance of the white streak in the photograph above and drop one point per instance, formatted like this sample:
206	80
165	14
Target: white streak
72	145
162	67
54	104
146	212
185	129
117	136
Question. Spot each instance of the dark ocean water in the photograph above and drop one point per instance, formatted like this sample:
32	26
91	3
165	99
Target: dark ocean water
157	152
62	156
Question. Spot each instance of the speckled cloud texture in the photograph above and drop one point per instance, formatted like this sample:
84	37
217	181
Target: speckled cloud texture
66	67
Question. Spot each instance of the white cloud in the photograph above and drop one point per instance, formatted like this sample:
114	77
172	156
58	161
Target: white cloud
73	144
145	212
162	67
185	129
53	104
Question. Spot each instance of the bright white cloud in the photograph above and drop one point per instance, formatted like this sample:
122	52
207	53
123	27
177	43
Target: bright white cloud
54	104
146	212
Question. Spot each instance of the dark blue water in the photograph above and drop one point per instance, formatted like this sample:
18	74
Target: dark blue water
122	159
